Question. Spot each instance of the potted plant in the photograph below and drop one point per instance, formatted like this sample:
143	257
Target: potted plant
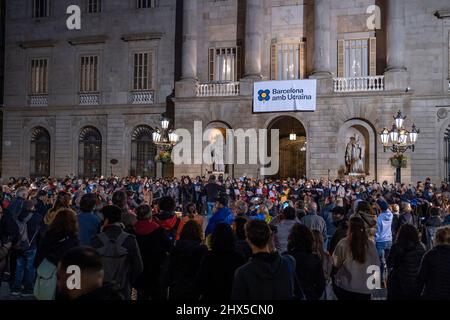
399	161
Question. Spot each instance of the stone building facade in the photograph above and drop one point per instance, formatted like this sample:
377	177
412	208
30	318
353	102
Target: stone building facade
107	83
365	75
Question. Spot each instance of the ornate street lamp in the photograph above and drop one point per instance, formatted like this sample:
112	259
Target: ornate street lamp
396	141
166	136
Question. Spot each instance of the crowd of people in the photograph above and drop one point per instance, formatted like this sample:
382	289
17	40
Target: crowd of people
220	239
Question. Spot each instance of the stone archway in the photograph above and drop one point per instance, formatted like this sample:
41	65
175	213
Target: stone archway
357	136
293	153
215	129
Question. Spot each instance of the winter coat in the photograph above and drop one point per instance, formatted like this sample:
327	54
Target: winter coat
33	227
169	222
215	279
284	228
134	256
220	216
266	277
404	263
154	246
53	246
434	275
9	231
315	222
182	270
310	273
88	225
339	234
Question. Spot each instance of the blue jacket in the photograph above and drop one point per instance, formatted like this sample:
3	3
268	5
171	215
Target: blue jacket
384	227
89	226
221	216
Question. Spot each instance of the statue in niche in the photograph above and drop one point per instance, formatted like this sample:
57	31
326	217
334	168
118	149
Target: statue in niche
354	158
217	154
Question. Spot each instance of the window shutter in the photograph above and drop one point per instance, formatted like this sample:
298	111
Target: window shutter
341	54
273	62
151	69
238	64
302	60
372	56
211	64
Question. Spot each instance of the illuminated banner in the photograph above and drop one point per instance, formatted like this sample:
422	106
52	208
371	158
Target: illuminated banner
284	96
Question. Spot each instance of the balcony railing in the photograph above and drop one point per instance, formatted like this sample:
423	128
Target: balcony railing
38	100
89	99
359	84
142	97
218	89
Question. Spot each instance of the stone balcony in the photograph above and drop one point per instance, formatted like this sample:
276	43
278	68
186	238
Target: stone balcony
142	97
89	99
38	100
358	84
218	89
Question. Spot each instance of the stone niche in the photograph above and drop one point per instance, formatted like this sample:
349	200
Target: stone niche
365	140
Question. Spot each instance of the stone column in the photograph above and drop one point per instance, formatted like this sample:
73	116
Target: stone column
322	47
396	75
187	87
253	39
189	55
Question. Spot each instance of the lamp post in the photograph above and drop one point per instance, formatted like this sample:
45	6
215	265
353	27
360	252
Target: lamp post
399	140
165	138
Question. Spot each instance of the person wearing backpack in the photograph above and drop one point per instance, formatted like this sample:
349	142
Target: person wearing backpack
61	236
8	226
28	224
119	250
431	225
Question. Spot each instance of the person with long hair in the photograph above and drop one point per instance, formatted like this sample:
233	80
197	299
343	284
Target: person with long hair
403	264
308	265
325	258
216	274
61	236
351	259
184	261
62	201
191	214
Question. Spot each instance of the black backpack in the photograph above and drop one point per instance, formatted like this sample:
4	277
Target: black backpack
115	259
24	242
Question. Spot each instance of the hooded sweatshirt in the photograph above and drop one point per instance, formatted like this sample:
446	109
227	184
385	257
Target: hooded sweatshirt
268	276
384	227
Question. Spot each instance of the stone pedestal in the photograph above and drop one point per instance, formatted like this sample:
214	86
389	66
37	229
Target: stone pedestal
159	170
324	83
246	86
396	80
186	89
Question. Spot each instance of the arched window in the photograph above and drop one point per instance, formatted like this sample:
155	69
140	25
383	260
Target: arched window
40	152
90	152
143	152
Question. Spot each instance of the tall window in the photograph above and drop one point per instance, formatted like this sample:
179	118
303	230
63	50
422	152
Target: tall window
94	6
39	76
288	61
89	74
224	64
357	58
140	4
90	152
143	152
40	153
143	71
40	8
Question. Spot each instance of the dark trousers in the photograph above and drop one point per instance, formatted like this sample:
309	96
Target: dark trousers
344	295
